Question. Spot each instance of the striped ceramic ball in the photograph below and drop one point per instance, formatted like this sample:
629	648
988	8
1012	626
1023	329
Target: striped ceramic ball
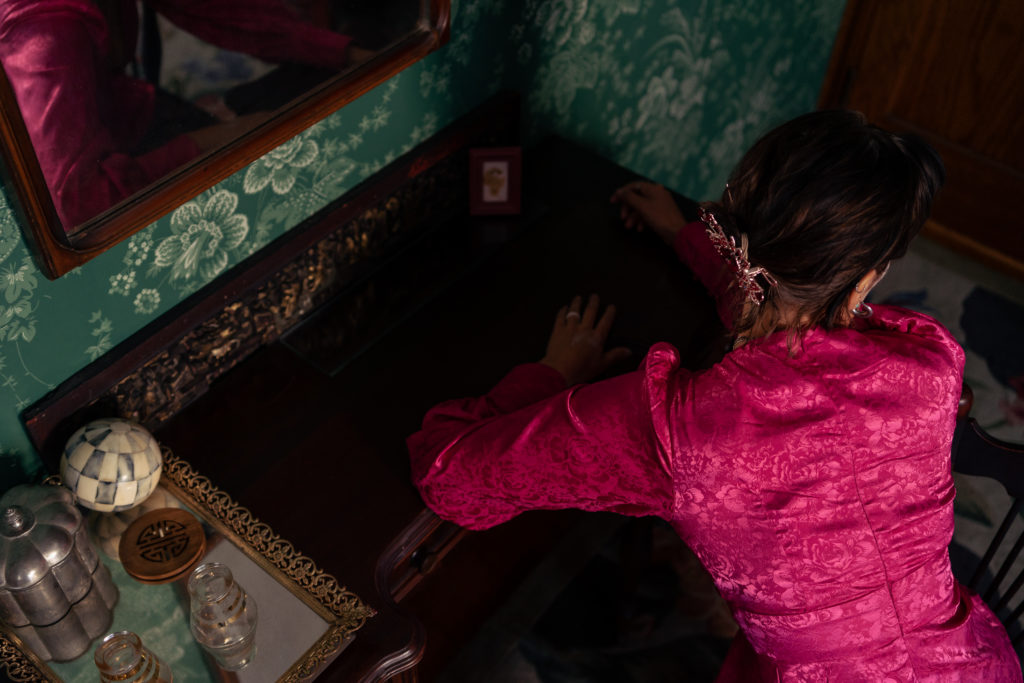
111	464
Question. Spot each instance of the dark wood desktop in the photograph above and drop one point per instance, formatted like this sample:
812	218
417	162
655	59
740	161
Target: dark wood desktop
308	432
322	458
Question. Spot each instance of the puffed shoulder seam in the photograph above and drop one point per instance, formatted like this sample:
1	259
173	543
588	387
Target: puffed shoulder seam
899	319
920	326
659	367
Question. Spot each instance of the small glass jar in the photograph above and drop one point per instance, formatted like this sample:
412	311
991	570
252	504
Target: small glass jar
123	658
223	616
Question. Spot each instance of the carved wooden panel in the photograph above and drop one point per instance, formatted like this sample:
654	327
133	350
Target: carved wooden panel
166	383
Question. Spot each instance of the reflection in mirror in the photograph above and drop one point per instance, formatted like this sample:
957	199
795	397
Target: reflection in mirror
106	119
119	97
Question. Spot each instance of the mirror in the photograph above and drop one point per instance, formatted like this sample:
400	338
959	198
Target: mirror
306	618
113	112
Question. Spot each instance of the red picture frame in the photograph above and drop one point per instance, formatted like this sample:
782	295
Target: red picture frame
495	180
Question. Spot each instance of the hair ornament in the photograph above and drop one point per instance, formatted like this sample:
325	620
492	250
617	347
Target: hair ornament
736	256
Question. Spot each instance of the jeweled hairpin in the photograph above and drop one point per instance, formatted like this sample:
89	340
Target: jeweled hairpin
736	256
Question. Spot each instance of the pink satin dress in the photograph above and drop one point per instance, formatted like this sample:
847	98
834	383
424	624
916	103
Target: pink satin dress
85	115
815	487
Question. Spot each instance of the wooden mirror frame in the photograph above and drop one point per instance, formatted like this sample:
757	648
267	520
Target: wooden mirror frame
38	215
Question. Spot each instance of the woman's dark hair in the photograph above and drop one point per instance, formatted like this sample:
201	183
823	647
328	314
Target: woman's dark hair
823	200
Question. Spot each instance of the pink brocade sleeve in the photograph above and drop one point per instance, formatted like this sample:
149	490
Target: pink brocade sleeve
51	62
696	251
532	444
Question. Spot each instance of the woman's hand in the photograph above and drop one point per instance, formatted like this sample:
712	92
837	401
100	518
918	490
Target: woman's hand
576	346
645	204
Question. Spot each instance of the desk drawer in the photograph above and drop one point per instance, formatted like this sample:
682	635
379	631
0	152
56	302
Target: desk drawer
416	552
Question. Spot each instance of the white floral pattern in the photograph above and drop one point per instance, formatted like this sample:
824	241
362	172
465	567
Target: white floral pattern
204	232
281	166
147	301
17	321
674	90
671	88
122	283
101	334
10	237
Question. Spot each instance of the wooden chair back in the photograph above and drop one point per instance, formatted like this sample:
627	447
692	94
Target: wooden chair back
976	452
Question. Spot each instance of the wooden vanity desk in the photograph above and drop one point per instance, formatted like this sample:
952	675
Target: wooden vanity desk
308	431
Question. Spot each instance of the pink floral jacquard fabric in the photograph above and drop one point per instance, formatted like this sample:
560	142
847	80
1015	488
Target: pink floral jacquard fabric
815	488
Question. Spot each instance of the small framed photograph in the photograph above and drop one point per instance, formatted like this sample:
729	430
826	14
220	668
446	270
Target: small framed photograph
495	180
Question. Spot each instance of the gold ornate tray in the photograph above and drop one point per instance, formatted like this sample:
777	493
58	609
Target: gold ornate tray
333	613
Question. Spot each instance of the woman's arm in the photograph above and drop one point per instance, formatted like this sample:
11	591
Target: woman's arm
649	205
53	63
591	447
530	443
695	250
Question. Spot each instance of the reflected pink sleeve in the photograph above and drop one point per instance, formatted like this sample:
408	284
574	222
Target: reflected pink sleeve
696	251
268	29
479	462
52	64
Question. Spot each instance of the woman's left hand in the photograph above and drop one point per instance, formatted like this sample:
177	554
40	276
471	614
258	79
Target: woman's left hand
576	346
646	204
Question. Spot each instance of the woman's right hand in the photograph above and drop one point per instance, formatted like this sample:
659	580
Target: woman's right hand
646	204
576	347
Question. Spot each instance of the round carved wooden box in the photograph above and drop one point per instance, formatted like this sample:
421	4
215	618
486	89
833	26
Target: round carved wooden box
162	545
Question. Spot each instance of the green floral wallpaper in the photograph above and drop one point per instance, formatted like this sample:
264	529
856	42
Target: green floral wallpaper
673	89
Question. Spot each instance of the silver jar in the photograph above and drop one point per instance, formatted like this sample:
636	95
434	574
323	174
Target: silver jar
55	594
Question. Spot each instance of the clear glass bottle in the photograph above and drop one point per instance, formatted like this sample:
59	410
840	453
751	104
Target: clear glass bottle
223	616
123	658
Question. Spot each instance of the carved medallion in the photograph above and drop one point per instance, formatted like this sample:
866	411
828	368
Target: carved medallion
162	545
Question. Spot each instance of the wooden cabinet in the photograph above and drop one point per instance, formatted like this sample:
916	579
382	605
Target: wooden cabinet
951	71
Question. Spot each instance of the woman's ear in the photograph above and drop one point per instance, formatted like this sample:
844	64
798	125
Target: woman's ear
860	292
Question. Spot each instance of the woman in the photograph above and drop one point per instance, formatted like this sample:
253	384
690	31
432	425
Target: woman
809	469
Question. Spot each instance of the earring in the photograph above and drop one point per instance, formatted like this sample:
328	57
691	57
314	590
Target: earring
863	310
